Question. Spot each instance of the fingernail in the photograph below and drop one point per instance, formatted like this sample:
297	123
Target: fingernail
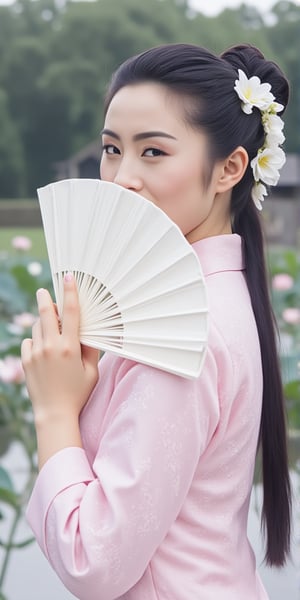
68	277
39	293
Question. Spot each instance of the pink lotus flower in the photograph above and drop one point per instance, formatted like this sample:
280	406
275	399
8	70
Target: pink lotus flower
282	282
11	370
21	242
291	315
24	320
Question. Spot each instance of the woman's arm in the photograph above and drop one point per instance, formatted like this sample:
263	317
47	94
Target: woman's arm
100	522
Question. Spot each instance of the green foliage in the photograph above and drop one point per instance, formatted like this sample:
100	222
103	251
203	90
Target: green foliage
292	393
285	271
284	35
18	285
12	178
56	62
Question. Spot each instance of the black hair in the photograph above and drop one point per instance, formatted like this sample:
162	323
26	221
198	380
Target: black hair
207	82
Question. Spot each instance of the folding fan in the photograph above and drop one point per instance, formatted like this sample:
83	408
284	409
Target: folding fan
141	289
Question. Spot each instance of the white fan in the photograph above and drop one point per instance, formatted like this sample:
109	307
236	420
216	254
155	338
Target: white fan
141	289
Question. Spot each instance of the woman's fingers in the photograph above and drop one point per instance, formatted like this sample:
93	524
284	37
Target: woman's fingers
37	341
48	325
26	351
71	310
60	373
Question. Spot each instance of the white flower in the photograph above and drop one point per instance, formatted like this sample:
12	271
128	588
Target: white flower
274	138
253	93
275	107
270	157
34	268
266	165
272	123
273	126
258	192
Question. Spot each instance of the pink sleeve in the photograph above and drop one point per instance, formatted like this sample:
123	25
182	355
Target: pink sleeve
99	526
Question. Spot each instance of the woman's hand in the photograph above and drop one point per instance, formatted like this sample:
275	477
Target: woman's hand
60	373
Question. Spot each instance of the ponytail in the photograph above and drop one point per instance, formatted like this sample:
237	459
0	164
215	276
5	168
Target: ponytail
276	510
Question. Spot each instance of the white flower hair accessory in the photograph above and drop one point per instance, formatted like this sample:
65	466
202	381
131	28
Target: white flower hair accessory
270	157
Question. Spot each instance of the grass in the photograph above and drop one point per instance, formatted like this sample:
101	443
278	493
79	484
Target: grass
35	234
8	202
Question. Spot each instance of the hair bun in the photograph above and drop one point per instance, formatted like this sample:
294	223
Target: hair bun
252	62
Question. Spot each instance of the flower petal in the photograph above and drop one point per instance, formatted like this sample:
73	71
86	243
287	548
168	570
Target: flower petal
258	193
266	164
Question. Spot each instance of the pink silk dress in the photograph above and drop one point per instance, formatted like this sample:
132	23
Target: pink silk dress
155	505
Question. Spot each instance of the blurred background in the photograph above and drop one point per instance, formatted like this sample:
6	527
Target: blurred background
56	59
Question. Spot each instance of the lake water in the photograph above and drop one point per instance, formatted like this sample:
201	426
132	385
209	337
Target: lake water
31	578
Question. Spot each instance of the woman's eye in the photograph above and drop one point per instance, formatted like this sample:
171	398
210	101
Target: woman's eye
152	152
110	149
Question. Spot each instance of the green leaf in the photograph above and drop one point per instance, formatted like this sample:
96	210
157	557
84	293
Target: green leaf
10	298
5	480
6	436
26	282
9	497
292	391
292	262
292	395
294	417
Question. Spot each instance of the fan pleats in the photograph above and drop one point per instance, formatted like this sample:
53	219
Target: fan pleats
141	289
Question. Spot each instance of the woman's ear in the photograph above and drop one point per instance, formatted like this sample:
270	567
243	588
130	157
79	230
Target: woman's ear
233	169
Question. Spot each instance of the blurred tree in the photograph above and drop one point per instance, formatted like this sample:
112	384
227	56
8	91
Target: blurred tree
36	16
230	27
24	65
284	36
9	31
12	179
68	113
57	58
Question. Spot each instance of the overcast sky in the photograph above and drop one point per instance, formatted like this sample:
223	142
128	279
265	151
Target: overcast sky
213	7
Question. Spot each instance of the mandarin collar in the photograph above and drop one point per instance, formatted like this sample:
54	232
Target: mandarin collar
220	253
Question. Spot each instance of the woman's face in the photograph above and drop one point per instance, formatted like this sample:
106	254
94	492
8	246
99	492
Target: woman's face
149	148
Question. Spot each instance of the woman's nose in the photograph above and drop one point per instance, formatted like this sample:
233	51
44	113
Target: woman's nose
127	178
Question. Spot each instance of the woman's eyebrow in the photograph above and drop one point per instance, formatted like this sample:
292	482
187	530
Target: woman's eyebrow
110	133
149	134
140	136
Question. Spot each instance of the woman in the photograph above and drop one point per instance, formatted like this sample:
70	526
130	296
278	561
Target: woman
143	491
